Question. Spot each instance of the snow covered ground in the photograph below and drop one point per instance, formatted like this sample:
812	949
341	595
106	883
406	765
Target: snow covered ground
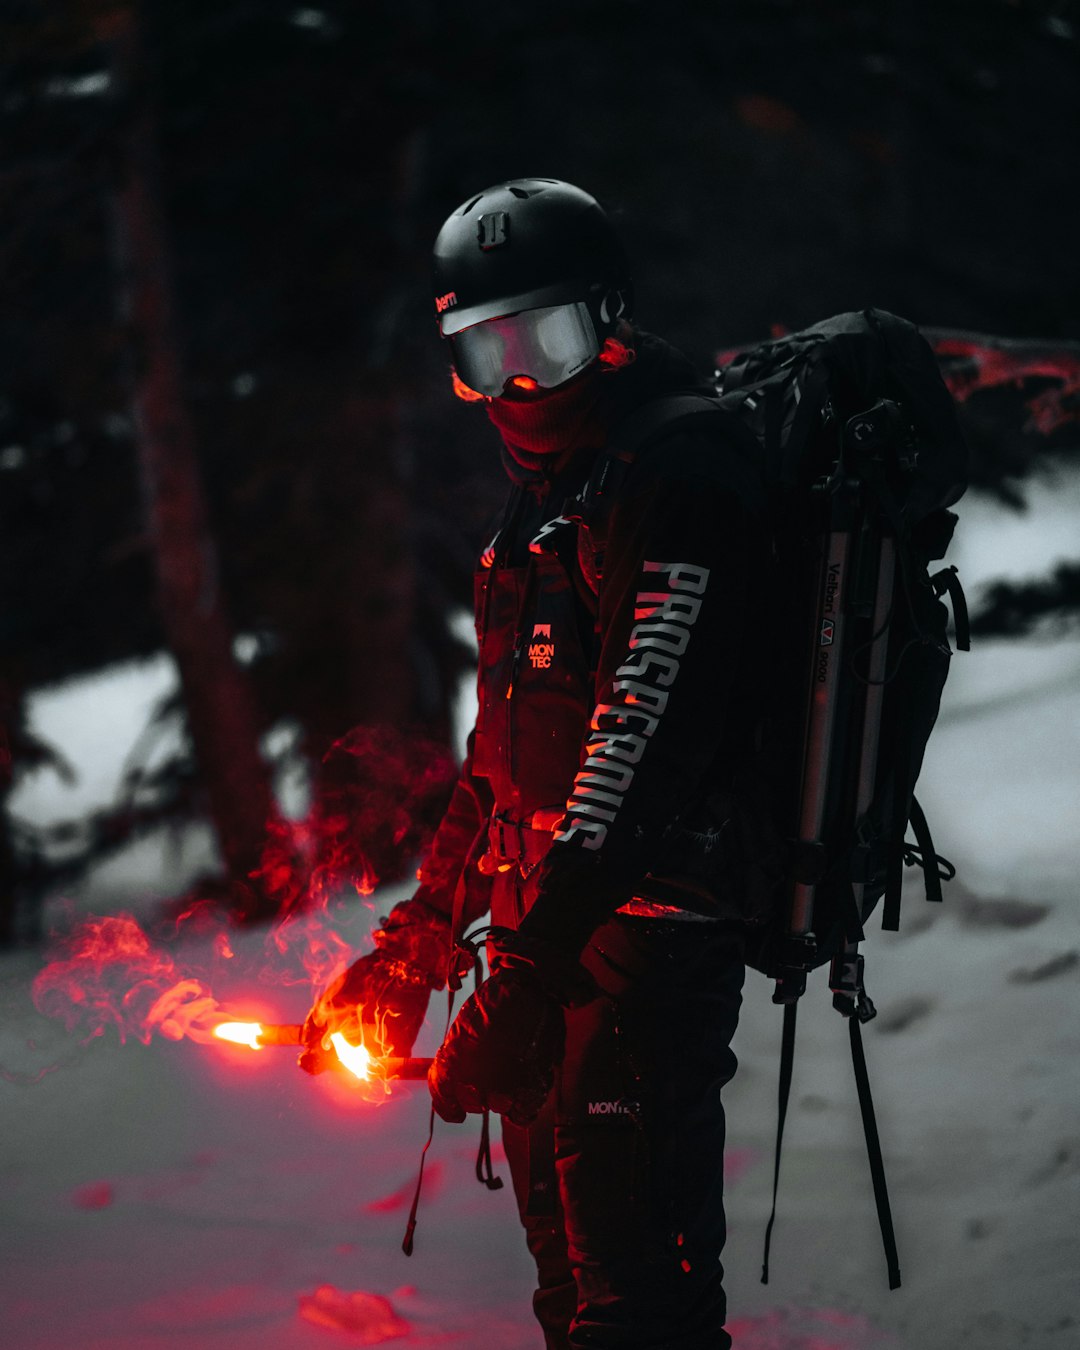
170	1195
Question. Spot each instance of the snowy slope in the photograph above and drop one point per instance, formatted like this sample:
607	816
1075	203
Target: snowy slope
171	1195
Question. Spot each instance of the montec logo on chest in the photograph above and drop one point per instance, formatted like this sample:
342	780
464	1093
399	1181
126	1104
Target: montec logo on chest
541	649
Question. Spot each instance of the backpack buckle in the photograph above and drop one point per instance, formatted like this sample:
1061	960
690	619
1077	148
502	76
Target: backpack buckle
850	998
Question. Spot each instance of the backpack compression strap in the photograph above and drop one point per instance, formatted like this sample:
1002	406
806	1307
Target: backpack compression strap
861	1010
787	1063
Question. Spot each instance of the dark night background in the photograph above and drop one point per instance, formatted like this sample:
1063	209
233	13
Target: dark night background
225	422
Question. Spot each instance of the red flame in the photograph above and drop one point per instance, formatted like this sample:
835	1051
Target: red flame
111	973
356	1058
380	795
240	1033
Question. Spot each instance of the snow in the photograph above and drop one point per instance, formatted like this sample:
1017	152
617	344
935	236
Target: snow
176	1195
119	702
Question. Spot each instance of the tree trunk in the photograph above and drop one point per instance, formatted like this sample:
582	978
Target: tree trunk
218	700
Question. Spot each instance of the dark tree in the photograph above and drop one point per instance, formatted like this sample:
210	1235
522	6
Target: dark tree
770	162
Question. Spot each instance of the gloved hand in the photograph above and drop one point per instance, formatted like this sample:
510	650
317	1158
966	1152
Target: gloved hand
504	1044
382	997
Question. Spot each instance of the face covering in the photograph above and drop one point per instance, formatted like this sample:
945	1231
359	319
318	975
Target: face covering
540	434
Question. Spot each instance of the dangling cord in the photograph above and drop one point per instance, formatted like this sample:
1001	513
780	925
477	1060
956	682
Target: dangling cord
947	580
410	1227
453	984
485	1171
936	869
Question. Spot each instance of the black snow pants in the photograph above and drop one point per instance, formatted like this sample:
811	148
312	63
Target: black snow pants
620	1182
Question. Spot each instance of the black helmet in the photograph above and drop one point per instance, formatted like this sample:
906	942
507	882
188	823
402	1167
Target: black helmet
535	246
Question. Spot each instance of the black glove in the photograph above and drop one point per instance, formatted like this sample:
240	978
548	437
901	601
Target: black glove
382	997
501	1052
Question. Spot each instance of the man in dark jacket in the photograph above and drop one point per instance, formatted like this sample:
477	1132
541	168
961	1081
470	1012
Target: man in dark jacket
597	813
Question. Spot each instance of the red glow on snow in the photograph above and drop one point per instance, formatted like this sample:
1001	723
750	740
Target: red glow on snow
94	1195
370	1317
737	1162
402	1197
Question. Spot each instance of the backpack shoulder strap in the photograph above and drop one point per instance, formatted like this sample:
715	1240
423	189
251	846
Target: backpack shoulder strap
638	433
660	417
649	425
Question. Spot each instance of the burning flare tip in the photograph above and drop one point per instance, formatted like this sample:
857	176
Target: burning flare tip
241	1033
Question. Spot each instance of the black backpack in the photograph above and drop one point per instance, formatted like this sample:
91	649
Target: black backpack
862	456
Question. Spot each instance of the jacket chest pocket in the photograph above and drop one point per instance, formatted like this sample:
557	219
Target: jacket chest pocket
534	685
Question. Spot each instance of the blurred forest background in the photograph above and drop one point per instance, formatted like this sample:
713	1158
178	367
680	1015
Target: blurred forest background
226	427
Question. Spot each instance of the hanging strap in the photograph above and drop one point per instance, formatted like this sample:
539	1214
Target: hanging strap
894	855
414	1208
787	1062
410	1227
862	1010
485	1172
873	1150
936	869
894	880
947	580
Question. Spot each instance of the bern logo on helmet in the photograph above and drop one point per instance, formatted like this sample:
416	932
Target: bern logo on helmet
445	302
493	230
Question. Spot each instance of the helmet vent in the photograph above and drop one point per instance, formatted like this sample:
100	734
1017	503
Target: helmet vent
520	192
469	206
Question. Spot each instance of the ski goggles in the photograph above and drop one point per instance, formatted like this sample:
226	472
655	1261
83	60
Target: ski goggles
549	345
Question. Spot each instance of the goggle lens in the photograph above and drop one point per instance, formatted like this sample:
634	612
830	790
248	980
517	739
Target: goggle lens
548	346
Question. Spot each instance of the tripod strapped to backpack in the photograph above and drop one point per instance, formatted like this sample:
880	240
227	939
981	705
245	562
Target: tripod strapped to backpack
858	582
855	584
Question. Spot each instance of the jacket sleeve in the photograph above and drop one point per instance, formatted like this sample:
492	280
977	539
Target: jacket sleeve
680	555
452	848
